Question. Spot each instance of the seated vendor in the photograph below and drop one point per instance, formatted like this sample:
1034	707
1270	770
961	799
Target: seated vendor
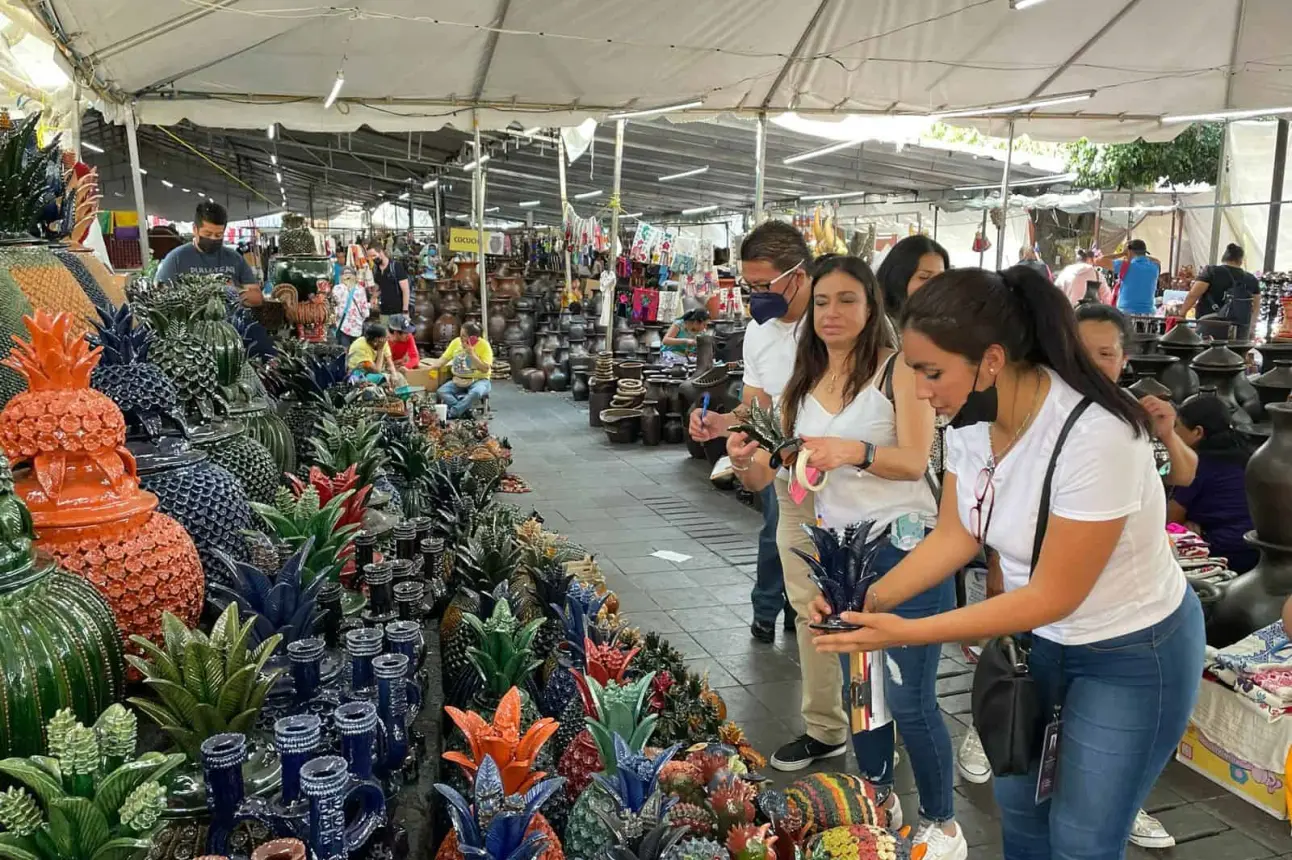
470	360
680	339
402	346
369	357
1214	506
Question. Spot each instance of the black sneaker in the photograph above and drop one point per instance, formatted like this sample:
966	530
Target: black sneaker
802	752
763	631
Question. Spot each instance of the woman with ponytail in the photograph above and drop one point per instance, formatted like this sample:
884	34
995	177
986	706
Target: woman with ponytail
1116	644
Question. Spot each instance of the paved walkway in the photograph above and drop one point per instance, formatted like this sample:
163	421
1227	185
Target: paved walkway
625	502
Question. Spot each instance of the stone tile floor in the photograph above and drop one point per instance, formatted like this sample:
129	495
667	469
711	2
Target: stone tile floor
625	502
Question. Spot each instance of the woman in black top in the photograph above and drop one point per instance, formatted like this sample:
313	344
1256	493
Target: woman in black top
1227	292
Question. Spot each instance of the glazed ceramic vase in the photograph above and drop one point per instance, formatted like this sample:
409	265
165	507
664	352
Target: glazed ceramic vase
81	485
59	645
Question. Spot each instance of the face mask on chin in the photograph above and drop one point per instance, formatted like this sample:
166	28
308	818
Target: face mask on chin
979	406
209	246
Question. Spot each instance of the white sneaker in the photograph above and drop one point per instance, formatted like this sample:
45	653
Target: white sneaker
1148	832
894	812
972	761
938	845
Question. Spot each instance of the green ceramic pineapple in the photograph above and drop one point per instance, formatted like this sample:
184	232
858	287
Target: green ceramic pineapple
611	710
697	849
188	361
621	805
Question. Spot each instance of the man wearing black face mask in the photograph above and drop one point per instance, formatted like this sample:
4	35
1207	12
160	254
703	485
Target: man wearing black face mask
207	255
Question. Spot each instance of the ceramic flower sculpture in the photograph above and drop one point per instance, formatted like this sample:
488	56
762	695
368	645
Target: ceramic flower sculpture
843	568
81	484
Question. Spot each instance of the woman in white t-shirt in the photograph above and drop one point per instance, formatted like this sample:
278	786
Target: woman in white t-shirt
854	405
1117	634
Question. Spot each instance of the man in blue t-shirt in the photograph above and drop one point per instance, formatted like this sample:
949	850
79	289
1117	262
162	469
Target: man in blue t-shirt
1139	273
207	255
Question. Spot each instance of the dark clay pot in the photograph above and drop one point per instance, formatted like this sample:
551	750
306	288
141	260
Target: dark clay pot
1155	365
1148	386
1274	385
424	314
1256	598
1272	352
558	380
694	448
622	426
1220	367
579	386
652	424
546	361
1269	480
535	379
497	325
598	402
673	431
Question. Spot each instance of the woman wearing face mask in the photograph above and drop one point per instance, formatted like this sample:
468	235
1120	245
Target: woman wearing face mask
1117	644
351	303
854	405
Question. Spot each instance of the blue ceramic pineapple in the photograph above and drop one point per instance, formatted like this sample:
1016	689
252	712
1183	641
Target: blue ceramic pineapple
843	568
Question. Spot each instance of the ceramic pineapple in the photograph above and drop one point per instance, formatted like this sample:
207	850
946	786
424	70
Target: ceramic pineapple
82	487
615	709
765	427
498	826
843	567
623	800
144	394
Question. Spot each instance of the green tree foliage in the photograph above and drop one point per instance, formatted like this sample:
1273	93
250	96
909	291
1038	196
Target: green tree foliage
1194	156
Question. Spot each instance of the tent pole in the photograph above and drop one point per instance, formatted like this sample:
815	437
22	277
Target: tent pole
560	171
983	231
935	223
435	202
478	197
760	165
615	205
311	205
410	216
1276	194
1219	212
132	141
1004	199
74	125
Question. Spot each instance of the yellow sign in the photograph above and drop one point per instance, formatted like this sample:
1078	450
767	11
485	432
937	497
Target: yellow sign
465	239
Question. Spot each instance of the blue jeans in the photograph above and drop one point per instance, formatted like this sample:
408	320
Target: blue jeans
460	400
768	596
914	705
1126	703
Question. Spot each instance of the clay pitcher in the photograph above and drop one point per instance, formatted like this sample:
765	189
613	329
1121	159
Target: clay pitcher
1269	479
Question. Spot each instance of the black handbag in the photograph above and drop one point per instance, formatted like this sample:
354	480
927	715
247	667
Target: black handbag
1005	706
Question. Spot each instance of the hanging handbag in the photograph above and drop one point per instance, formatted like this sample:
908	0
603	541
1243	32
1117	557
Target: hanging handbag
1004	702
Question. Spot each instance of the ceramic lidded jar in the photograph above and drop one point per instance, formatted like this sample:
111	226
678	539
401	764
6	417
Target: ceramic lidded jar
1275	384
1220	366
81	485
1182	342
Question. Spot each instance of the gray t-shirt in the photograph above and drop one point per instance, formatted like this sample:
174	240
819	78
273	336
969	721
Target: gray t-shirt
188	259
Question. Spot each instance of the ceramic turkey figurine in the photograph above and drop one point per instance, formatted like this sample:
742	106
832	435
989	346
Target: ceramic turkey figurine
81	485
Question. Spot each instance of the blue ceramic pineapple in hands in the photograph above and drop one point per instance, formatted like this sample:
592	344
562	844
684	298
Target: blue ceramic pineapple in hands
843	569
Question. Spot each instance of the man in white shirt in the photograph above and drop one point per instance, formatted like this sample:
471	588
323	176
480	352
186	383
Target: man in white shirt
774	260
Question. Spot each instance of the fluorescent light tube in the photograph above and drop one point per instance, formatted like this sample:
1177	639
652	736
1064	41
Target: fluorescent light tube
143	171
528	204
836	196
272	130
631	215
1040	180
697	210
273	159
817	153
1227	114
491	209
628	114
471	165
405	196
185	190
588	195
168	183
684	174
1020	5
1016	107
279	176
336	90
85	144
429	184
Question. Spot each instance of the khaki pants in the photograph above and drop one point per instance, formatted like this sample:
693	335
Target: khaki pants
823	713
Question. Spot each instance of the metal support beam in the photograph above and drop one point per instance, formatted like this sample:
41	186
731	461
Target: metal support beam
1004	199
410	215
478	181
794	56
1276	194
310	198
132	141
760	166
983	231
1081	52
560	166
486	60
615	204
1218	214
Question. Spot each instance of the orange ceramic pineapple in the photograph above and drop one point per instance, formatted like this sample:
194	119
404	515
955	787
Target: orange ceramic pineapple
514	755
67	444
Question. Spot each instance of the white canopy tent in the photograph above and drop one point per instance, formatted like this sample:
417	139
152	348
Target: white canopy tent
423	64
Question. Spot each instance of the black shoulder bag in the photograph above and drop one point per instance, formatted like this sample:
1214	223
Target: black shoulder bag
1006	709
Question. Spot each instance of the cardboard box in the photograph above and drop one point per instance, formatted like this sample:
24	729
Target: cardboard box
427	377
1259	787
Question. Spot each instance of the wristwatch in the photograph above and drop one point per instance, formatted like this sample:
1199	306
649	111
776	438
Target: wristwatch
867	459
